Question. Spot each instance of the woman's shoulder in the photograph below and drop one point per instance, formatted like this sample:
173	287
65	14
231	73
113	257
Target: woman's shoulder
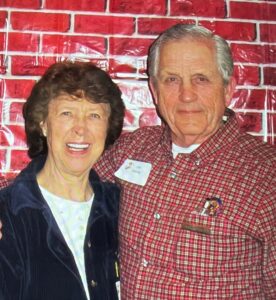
107	193
107	185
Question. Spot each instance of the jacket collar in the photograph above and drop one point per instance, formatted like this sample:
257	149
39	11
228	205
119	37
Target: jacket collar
25	191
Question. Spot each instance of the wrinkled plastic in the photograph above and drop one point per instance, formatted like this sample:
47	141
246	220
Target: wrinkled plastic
254	100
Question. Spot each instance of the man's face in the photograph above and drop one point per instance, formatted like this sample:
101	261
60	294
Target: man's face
189	91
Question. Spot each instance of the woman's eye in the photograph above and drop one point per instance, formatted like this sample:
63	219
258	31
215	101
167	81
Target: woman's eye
95	116
66	113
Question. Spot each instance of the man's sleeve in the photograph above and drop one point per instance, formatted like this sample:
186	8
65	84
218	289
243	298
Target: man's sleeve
270	269
113	158
268	226
3	183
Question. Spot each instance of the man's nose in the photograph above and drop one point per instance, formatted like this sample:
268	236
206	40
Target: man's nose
187	92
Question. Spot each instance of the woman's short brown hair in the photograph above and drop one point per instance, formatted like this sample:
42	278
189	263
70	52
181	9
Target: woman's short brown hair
80	79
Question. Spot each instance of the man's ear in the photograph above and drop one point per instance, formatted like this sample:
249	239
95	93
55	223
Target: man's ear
152	86
229	90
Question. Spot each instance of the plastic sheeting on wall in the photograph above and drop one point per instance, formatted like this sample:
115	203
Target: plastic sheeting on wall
116	35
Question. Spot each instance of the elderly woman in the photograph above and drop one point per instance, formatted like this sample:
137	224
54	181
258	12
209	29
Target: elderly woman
60	234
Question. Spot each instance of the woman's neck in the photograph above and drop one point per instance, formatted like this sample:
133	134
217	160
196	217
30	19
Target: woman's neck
75	188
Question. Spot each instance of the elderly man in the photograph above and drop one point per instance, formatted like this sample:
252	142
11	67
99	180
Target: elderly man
198	203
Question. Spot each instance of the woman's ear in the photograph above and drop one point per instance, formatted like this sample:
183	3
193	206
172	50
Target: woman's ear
43	127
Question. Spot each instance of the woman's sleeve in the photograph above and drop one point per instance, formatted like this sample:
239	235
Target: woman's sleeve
11	267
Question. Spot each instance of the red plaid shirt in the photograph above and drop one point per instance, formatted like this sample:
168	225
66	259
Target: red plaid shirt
168	248
3	182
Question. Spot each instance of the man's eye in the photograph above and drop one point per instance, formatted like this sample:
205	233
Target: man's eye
171	79
201	79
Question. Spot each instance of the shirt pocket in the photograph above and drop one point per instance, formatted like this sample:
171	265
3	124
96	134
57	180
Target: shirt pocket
212	246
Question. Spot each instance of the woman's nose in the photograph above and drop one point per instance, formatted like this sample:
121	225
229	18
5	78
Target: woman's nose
79	126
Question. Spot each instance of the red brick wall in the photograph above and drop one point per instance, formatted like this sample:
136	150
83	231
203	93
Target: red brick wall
116	34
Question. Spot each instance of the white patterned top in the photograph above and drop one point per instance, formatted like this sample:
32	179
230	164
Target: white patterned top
71	217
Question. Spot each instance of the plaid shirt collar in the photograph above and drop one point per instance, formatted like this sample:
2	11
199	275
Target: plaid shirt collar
226	136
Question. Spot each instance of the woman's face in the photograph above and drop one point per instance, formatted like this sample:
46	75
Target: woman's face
76	131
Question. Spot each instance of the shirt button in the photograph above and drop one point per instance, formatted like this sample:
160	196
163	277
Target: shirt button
197	162
89	244
173	175
93	283
157	216
144	262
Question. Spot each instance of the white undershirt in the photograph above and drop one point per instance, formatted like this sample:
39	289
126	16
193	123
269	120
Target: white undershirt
177	149
71	217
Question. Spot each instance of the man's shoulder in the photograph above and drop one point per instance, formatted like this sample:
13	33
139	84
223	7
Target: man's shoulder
139	144
140	135
259	150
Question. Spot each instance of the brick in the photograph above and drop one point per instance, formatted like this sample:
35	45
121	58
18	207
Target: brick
247	75
249	99
129	119
21	4
271	99
118	68
73	44
2	65
154	26
12	135
136	94
268	33
3	16
130	126
3	162
252	11
270	76
149	117
30	65
27	42
250	122
199	8
2	41
16	88
100	62
271	123
40	21
1	95
129	46
270	54
254	53
104	24
156	7
87	5
247	53
143	67
19	160
16	113
232	30
271	140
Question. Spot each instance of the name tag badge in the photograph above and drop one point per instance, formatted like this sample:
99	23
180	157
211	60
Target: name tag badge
134	171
